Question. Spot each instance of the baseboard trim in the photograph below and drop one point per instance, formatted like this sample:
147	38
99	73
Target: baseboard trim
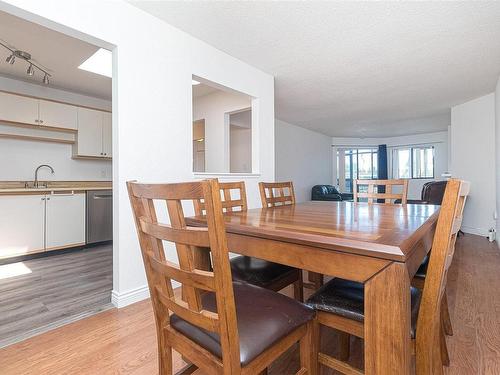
120	300
477	231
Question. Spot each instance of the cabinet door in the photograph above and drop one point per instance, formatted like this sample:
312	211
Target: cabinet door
89	136
58	115
17	108
22	221
65	220
106	135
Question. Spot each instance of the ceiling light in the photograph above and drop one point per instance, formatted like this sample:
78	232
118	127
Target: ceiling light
194	82
25	56
100	62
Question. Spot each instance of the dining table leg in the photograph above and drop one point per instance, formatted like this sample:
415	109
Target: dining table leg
387	322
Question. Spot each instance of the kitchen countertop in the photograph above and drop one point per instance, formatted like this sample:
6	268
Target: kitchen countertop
17	187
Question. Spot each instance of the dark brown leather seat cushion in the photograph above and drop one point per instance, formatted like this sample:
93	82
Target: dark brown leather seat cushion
346	298
422	270
257	271
263	316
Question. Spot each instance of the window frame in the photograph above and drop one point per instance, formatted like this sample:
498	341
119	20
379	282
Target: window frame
411	149
348	151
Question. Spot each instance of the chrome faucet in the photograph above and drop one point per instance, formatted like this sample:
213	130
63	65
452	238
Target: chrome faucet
35	184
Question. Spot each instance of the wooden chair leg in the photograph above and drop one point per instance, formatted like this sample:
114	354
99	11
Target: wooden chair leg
309	347
165	359
298	289
316	279
445	316
343	342
445	357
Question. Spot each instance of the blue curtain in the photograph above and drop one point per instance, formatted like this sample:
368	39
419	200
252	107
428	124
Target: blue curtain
382	168
382	162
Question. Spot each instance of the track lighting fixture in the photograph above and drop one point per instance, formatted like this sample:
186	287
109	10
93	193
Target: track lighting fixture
23	55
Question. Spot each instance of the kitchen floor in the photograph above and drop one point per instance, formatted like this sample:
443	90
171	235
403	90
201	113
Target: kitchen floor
40	294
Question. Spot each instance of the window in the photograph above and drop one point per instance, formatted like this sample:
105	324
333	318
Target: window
354	163
413	162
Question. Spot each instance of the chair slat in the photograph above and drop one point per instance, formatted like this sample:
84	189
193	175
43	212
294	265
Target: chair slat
228	204
193	236
387	196
198	279
179	191
203	319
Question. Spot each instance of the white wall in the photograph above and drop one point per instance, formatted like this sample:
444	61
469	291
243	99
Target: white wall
213	108
497	151
304	157
439	140
152	107
473	159
240	144
21	157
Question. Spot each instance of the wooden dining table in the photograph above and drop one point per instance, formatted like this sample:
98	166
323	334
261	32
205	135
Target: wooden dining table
380	245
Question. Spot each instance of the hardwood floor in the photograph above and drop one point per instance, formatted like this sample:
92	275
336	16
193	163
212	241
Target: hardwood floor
124	341
53	291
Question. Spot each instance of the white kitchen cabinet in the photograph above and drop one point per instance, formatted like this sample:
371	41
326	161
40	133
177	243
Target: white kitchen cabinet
22	224
89	137
107	147
94	134
65	220
16	108
58	115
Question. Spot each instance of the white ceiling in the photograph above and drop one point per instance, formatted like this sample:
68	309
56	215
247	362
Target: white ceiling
59	53
356	68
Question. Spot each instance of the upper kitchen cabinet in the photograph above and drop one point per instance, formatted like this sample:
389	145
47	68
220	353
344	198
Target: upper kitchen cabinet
94	134
19	109
58	115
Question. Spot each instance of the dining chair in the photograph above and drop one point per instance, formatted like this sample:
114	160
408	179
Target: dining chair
275	194
221	326
374	192
340	303
269	275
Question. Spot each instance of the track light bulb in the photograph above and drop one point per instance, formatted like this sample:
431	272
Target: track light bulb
46	79
30	70
10	59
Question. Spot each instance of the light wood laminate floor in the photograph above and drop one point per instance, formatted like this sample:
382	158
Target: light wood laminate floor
124	341
51	291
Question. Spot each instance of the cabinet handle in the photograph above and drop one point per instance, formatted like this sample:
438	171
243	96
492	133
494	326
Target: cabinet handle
41	121
36	120
43	199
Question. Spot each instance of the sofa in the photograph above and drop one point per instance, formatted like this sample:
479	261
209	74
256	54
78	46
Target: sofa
328	193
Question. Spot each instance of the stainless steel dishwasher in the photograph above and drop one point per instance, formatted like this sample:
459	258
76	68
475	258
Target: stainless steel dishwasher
99	216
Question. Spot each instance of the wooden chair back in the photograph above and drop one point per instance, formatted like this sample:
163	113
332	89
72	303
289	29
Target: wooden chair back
274	194
230	202
160	272
373	190
443	248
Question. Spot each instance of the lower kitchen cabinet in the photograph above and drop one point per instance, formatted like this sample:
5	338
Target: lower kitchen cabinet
22	224
41	222
65	220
